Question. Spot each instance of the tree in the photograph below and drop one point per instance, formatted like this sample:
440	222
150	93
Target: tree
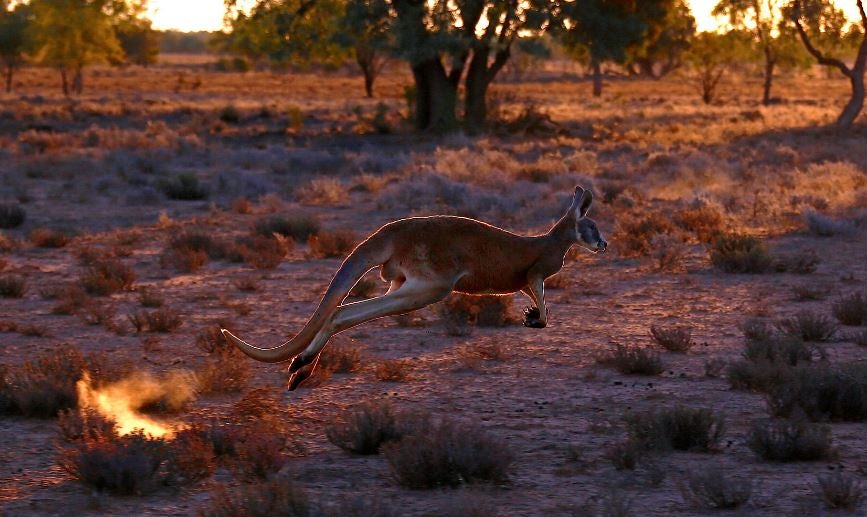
821	29
667	38
711	56
366	28
605	29
72	34
445	42
13	38
139	42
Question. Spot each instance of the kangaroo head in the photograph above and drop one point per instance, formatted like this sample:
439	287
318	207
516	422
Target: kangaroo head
586	232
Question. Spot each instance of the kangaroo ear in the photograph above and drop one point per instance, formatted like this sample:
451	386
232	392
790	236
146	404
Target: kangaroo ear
584	204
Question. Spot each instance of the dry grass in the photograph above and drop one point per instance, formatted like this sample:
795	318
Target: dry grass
393	370
263	499
851	309
12	286
714	490
633	360
163	320
336	243
341	357
106	276
786	440
484	311
809	326
365	428
299	227
443	452
44	385
49	238
735	253
681	428
841	491
673	339
11	216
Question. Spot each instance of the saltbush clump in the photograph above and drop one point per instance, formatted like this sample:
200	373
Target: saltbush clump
788	440
365	428
681	428
737	253
633	360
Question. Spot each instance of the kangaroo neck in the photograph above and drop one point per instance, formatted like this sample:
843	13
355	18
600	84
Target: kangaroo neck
560	237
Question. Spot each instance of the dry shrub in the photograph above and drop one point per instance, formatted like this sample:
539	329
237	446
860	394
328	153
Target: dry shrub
11	216
247	284
484	311
759	376
258	451
126	465
184	186
242	206
225	370
809	326
148	298
837	394
49	238
46	384
264	499
788	350
322	191
444	452
76	425
705	222
625	455
264	252
337	243
69	299
162	320
807	292
633	360
681	428
786	440
802	263
104	276
673	339
859	338
635	233
737	253
668	251
710	488
841	491
190	250
472	355
393	370
341	357
191	458
365	428
296	225
95	313
851	310
12	286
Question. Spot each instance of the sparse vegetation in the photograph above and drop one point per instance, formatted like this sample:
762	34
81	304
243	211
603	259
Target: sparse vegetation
336	243
788	440
443	452
11	216
484	311
841	491
633	360
365	428
712	489
737	253
225	370
809	326
44	385
299	227
184	186
851	310
681	428
159	320
673	339
262	499
341	358
393	370
106	276
49	238
12	286
833	393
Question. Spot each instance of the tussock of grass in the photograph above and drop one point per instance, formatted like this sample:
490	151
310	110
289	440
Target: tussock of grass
681	428
633	360
365	428
673	339
737	253
785	440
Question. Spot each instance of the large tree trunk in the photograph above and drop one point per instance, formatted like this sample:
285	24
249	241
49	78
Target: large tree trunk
436	97
597	78
770	61
366	59
9	70
856	101
476	91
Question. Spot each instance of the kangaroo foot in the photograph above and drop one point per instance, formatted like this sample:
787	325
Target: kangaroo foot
533	318
298	377
297	363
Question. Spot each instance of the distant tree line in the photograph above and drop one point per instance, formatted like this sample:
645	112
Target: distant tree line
456	48
71	34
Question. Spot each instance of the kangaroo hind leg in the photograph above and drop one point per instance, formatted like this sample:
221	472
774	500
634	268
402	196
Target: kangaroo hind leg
410	296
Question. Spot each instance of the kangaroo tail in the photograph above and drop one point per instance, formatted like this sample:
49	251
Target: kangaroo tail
362	259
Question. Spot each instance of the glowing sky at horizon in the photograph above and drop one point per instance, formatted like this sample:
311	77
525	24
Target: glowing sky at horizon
207	15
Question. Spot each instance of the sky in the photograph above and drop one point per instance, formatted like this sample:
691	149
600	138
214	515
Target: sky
207	15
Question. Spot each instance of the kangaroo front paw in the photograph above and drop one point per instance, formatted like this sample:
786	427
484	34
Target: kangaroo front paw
533	318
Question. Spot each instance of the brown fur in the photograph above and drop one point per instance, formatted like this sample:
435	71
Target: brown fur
426	258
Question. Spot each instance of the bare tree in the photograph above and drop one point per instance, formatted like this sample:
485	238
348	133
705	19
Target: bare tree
806	13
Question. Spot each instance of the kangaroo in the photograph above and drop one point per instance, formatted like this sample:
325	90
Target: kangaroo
424	259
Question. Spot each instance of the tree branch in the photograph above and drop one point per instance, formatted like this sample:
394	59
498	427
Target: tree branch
860	4
816	53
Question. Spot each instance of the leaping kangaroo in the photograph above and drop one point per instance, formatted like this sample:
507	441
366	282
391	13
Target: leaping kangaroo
424	259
